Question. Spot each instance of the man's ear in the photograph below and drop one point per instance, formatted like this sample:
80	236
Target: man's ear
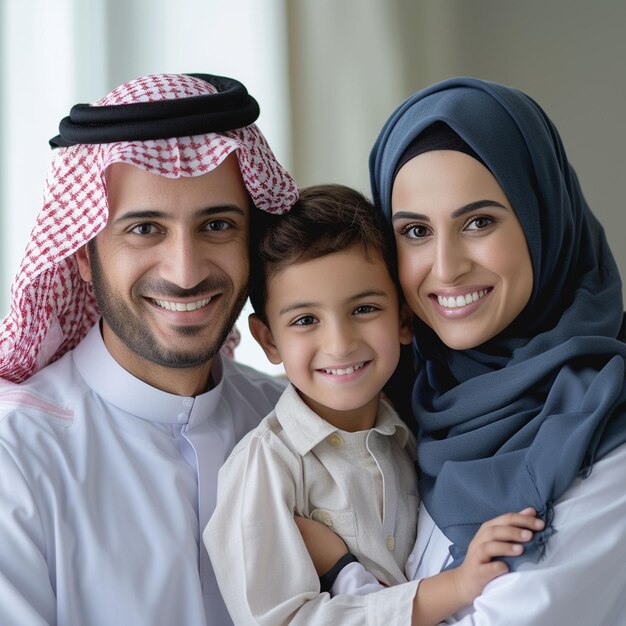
84	266
263	335
406	324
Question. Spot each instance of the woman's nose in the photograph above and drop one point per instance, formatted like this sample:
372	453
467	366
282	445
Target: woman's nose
451	259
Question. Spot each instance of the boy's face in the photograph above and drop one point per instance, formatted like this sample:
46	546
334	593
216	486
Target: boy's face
335	324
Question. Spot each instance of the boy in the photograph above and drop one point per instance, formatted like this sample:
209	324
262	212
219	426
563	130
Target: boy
327	306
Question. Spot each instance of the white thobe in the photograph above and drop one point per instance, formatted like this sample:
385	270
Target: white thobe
105	485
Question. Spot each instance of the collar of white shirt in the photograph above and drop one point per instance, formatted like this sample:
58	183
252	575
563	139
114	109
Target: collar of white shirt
114	384
306	429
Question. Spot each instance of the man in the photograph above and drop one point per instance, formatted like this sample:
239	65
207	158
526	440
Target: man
135	274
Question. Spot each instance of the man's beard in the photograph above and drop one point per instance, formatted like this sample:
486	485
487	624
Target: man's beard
137	336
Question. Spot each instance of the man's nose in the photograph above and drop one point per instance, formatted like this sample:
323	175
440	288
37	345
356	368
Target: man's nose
184	261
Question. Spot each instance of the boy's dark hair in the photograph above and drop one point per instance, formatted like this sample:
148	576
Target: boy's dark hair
326	219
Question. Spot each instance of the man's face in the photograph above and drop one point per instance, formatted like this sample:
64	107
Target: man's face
170	269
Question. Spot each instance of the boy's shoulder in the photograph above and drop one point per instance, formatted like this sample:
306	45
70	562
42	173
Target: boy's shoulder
268	438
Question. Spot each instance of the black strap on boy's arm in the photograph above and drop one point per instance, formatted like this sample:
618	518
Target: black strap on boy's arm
328	579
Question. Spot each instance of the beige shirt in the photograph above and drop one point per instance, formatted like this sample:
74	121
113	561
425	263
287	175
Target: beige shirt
363	485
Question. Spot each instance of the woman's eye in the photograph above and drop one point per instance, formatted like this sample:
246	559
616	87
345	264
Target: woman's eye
415	231
305	320
144	229
480	222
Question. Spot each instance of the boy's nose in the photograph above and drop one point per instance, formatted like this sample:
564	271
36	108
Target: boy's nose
339	340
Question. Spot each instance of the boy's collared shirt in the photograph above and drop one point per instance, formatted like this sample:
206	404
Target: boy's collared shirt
361	484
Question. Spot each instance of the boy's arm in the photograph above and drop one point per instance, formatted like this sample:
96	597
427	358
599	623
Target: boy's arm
442	595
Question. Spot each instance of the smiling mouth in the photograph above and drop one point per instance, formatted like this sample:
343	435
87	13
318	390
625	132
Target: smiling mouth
344	371
182	306
455	302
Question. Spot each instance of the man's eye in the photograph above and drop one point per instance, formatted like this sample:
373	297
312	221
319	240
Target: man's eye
144	229
216	225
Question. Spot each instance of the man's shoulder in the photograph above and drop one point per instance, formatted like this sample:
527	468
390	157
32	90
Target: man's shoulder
245	380
47	397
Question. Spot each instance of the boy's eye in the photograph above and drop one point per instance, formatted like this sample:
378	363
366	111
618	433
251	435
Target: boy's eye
305	320
144	229
364	308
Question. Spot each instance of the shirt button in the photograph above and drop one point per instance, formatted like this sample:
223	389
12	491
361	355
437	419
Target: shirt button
182	418
335	441
322	517
391	542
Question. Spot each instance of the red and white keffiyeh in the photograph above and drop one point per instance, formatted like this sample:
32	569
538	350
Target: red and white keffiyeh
52	309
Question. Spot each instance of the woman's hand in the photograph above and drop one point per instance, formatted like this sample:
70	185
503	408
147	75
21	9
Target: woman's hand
324	546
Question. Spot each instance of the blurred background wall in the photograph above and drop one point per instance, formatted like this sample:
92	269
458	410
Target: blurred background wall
327	73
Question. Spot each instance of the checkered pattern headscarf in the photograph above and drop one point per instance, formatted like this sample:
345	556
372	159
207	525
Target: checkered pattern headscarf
51	307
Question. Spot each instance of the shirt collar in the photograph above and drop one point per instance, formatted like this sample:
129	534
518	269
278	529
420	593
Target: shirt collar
306	429
117	386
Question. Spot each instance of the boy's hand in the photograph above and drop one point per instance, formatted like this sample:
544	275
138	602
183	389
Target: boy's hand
324	546
501	536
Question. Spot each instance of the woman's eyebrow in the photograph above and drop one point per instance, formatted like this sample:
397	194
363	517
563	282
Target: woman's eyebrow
474	206
468	208
408	215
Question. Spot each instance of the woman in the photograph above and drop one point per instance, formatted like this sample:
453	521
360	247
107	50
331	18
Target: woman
519	344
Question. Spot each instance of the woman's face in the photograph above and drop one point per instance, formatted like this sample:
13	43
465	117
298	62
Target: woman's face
463	260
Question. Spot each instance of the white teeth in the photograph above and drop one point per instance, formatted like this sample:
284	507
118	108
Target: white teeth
342	371
454	302
182	306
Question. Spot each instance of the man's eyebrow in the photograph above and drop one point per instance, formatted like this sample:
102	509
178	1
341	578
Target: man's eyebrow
151	214
468	208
